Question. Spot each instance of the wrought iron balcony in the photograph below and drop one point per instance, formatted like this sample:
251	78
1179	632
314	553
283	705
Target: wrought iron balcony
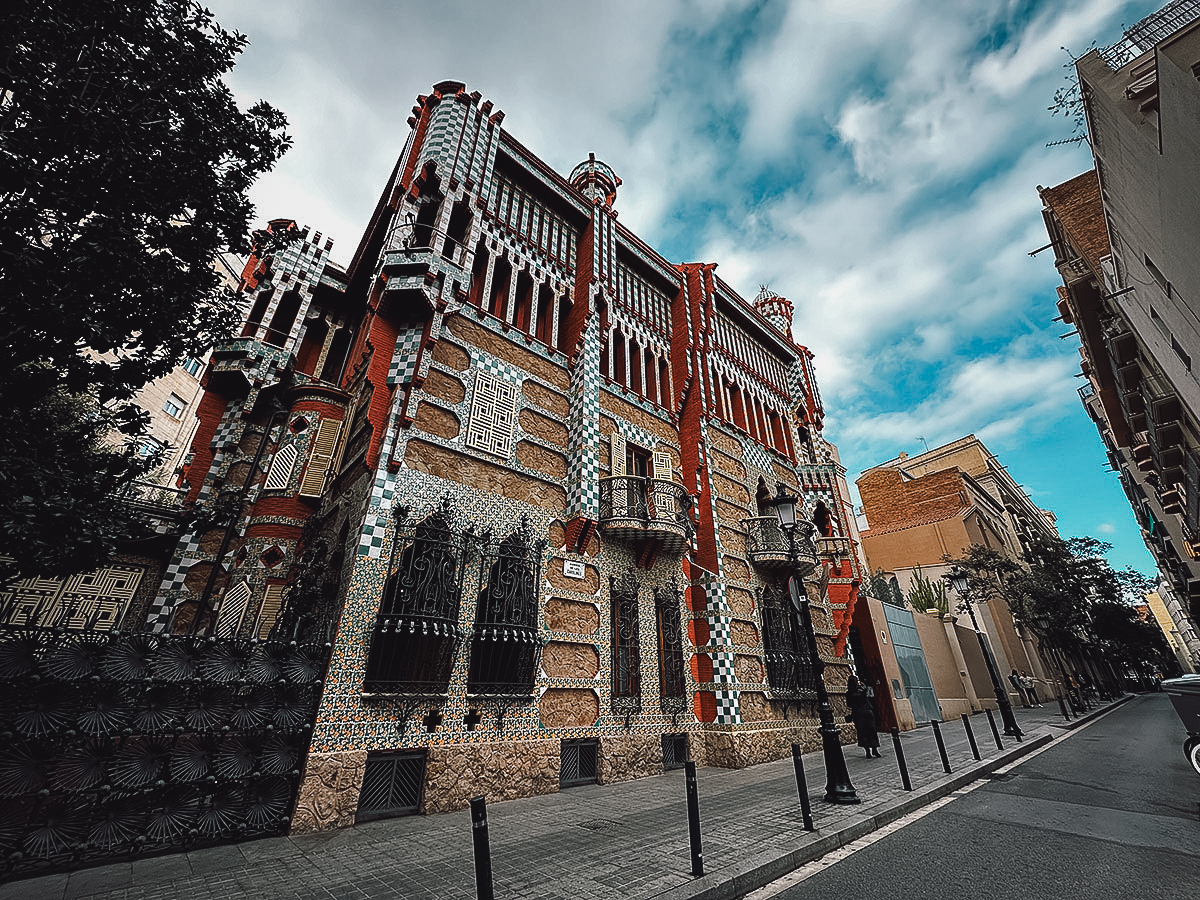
768	546
635	508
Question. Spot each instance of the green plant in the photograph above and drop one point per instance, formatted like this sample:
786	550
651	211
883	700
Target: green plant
925	594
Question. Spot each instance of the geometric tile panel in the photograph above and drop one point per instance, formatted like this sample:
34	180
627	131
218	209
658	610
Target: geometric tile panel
493	415
583	466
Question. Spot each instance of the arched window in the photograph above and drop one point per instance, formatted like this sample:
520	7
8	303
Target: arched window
505	643
416	631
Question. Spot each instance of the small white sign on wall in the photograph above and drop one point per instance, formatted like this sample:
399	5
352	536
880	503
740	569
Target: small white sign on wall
573	568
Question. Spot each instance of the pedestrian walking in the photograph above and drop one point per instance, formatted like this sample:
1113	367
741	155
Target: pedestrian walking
1014	679
1030	687
861	698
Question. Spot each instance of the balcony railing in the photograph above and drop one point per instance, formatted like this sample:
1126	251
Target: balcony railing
635	508
768	548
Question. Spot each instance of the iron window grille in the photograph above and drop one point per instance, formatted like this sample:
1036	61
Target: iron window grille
626	647
506	645
416	632
674	750
790	670
578	762
670	642
392	784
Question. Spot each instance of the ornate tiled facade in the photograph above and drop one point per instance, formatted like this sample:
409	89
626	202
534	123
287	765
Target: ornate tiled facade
504	360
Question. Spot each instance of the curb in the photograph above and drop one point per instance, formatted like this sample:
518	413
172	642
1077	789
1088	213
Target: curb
1087	717
739	879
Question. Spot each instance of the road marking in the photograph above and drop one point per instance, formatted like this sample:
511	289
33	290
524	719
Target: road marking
808	870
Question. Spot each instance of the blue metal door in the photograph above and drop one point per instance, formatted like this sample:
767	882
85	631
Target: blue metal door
914	674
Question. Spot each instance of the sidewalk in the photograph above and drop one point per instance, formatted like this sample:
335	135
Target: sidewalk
627	840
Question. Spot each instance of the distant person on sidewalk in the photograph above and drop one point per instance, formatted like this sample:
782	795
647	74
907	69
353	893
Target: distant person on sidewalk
862	714
1015	680
1030	686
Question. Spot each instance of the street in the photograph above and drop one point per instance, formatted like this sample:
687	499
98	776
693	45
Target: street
1111	810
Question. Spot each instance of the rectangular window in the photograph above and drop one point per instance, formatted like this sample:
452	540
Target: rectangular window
174	406
192	367
1157	274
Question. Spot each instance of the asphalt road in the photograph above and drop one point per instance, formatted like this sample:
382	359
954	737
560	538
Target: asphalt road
1110	811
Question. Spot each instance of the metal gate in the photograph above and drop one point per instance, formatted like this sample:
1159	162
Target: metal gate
392	784
906	643
675	750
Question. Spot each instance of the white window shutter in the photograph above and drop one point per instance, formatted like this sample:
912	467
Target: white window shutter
268	613
320	456
280	472
617	462
662	465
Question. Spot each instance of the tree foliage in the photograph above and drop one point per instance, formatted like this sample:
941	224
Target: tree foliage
926	595
1067	593
124	169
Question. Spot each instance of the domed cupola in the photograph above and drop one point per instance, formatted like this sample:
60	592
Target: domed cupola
596	181
775	309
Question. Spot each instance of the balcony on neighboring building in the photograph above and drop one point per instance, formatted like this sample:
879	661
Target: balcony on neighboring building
768	548
636	508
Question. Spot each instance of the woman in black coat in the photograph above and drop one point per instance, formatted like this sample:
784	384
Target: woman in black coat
862	714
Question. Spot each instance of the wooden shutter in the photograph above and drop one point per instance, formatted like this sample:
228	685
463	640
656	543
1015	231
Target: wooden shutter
662	465
268	614
617	456
320	456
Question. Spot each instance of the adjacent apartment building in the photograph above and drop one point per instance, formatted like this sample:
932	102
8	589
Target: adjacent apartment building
516	468
1124	238
920	509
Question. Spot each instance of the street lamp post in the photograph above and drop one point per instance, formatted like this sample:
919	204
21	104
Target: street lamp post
958	579
838	788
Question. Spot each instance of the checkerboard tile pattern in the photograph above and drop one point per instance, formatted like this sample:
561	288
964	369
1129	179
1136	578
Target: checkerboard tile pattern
583	472
404	359
756	456
229	431
720	622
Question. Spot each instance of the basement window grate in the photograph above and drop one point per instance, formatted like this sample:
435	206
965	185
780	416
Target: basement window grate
392	785
578	758
674	750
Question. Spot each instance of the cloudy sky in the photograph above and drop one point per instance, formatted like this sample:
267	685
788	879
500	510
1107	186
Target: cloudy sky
875	161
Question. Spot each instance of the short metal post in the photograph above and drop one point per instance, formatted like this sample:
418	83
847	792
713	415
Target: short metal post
802	789
971	737
1063	706
995	730
900	759
693	803
937	734
483	853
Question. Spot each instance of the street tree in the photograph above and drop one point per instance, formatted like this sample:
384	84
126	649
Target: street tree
125	166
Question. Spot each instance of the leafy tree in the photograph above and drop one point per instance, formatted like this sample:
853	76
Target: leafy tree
1128	640
124	169
885	588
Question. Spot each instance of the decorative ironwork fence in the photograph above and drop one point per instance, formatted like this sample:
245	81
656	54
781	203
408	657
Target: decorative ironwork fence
117	744
790	670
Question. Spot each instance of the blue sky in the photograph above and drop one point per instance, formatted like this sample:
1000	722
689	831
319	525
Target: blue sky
874	161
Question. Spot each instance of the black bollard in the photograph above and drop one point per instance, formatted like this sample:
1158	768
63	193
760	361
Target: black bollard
900	759
483	853
1063	706
995	730
937	734
971	737
693	802
802	789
